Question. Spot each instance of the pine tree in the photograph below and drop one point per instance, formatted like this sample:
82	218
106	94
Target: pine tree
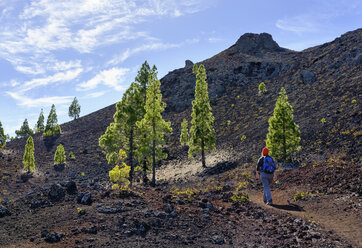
283	134
122	132
28	159
143	79
262	88
3	137
153	122
202	134
24	131
184	137
52	127
40	123
74	109
59	156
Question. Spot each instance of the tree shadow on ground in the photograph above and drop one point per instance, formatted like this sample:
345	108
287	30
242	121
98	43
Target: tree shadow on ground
49	142
289	207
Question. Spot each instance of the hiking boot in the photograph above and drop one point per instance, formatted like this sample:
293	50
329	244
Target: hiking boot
269	203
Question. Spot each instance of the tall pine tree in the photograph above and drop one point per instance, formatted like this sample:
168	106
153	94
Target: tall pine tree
283	134
153	122
40	123
25	130
202	133
121	133
28	159
2	137
74	109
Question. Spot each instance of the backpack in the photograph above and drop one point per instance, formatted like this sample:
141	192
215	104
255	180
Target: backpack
268	165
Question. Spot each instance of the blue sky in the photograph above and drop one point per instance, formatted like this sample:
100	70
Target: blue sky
52	51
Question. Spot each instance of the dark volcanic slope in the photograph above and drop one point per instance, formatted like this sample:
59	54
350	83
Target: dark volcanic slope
321	82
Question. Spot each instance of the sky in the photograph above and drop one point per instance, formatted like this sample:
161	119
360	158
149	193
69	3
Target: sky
52	51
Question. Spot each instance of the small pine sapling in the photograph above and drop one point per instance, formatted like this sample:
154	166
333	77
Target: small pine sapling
262	88
59	157
28	159
119	175
71	156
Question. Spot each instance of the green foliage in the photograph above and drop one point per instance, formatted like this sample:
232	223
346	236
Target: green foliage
123	133
71	155
262	88
228	122
74	109
354	101
59	156
184	137
283	134
40	123
3	137
28	159
153	125
24	131
323	120
306	195
202	133
52	127
239	195
243	137
119	174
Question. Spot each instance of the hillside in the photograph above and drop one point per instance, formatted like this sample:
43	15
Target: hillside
321	82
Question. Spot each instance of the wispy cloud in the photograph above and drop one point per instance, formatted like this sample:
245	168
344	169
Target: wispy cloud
95	94
113	78
318	18
39	102
154	46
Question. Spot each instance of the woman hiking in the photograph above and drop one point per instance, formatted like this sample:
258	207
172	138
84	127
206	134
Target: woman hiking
266	172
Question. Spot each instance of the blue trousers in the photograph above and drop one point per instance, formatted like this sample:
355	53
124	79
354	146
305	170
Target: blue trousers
266	180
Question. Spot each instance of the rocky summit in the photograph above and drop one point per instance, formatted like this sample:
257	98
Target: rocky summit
316	199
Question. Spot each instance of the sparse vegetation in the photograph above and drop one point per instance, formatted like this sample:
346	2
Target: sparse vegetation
323	120
71	155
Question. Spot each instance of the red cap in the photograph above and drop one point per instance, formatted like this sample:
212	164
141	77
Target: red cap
265	151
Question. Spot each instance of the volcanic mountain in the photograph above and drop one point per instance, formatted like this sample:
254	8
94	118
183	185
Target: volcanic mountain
193	207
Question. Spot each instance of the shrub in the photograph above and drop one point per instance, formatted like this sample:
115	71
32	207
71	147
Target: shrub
71	155
262	88
119	174
323	120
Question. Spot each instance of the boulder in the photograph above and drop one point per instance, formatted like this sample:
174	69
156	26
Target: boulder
56	193
307	77
84	198
4	211
51	237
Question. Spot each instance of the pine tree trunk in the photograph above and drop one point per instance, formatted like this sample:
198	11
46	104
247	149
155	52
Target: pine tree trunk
145	179
131	156
284	144
154	155
203	154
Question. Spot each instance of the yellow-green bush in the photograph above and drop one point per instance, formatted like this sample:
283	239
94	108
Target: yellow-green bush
119	174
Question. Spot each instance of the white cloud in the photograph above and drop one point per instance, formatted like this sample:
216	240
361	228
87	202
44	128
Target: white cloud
113	78
298	24
95	94
214	39
154	46
58	77
39	102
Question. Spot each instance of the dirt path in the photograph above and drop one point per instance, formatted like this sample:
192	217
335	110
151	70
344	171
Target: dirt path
333	212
